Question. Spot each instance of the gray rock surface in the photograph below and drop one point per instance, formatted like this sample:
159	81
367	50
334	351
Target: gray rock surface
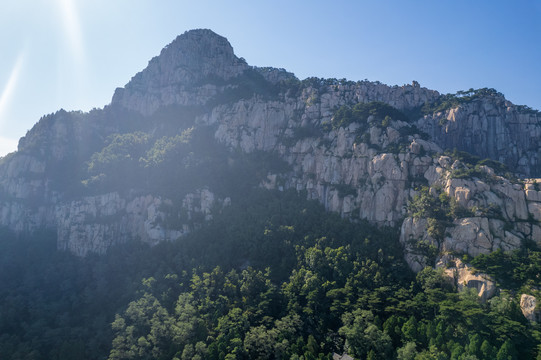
490	127
188	71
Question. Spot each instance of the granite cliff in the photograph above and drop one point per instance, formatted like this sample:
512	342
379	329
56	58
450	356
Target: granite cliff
363	149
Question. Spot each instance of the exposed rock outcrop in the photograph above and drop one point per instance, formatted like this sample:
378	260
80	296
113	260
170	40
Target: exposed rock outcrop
529	307
463	277
95	223
497	215
490	127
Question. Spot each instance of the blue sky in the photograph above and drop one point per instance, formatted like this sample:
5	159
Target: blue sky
72	54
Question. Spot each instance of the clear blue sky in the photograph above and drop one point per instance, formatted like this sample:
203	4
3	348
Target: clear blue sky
72	54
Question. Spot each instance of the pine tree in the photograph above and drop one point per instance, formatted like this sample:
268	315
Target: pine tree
507	351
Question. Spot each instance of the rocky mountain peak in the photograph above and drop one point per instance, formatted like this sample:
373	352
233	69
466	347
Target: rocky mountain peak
194	59
193	56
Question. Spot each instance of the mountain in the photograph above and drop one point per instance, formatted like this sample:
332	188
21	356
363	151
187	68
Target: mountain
254	208
363	149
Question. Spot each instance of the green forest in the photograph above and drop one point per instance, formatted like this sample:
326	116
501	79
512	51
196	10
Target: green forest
273	276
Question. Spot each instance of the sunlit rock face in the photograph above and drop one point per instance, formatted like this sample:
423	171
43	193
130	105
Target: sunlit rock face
371	170
464	277
529	308
490	127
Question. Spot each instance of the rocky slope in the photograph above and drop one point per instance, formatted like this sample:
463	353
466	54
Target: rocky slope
489	126
370	166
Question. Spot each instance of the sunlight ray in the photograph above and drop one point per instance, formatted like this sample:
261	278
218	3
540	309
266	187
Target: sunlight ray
9	88
72	28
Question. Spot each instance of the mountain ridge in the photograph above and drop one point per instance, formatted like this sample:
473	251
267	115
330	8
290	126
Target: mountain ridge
342	142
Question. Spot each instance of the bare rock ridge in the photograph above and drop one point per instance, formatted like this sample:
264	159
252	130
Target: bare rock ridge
377	166
185	73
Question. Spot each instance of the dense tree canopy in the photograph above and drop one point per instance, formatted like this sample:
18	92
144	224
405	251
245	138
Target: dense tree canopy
272	277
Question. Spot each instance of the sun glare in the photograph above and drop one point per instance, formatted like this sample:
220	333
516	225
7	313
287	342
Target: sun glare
9	88
72	28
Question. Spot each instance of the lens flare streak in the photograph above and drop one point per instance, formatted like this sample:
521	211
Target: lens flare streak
9	88
72	28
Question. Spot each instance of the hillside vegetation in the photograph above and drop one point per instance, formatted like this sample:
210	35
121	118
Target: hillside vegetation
272	277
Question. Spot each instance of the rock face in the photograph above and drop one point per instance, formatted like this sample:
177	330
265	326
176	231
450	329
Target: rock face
528	305
83	225
490	127
365	169
463	277
496	214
